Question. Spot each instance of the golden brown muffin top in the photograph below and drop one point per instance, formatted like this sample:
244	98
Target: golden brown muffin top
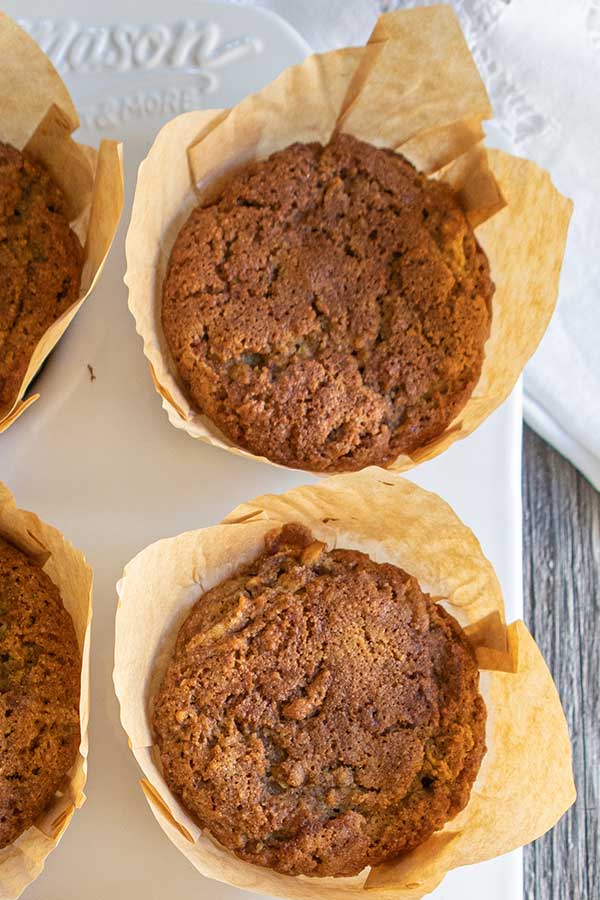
40	261
330	310
320	713
40	669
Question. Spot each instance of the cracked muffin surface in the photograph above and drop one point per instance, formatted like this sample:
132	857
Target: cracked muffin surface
40	670
329	311
40	259
320	713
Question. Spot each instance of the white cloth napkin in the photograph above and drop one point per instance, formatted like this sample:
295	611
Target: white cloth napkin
540	60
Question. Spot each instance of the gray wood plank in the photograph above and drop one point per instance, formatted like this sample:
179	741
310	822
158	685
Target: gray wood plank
562	608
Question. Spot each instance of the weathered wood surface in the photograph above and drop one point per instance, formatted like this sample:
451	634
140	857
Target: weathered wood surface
561	543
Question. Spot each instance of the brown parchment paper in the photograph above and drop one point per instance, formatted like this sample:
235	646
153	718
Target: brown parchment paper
525	783
37	116
391	94
23	860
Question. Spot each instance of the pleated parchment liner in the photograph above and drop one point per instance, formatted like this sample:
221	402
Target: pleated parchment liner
525	783
414	88
23	860
38	117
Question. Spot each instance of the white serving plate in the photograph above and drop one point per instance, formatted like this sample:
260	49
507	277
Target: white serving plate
100	460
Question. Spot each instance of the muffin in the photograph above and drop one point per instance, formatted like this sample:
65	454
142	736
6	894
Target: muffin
320	713
40	668
41	260
329	310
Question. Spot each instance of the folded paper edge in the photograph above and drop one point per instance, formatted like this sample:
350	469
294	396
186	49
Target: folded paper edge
181	414
258	511
28	524
108	170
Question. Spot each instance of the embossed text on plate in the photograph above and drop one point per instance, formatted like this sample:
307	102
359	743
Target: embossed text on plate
168	67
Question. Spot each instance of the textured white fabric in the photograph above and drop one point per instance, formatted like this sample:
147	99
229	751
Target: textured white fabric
540	60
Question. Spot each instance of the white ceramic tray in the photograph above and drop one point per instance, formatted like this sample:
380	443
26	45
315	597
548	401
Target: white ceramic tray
100	460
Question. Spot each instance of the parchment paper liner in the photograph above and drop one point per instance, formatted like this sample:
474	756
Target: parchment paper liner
23	860
37	115
389	93
525	783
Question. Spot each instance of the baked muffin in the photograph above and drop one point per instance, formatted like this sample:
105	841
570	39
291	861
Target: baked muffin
40	669
40	259
320	713
329	311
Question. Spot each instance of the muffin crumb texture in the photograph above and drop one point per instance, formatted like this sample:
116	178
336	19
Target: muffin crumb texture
40	259
330	310
320	713
40	669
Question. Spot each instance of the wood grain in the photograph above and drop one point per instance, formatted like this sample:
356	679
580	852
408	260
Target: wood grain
561	543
